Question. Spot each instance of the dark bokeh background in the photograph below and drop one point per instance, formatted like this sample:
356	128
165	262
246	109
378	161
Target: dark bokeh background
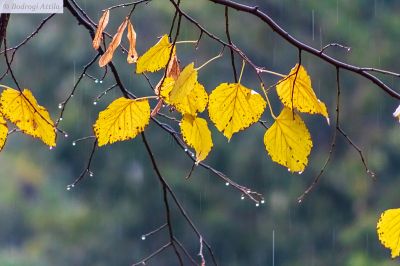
100	222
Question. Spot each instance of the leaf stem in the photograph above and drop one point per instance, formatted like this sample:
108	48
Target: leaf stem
268	101
209	61
147	97
183	42
270	72
241	71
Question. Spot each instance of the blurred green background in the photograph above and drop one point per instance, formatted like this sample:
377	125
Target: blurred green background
100	222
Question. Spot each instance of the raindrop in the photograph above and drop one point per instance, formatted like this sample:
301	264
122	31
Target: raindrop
227	184
186	150
60	119
73	143
242	197
300	201
94	103
262	201
68	187
60	106
66	135
257	204
72	185
91	174
50	147
300	172
96	81
101	81
288	170
143	237
72	95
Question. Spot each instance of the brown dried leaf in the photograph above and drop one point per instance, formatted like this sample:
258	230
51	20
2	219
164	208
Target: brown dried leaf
173	69
132	54
100	28
157	108
108	55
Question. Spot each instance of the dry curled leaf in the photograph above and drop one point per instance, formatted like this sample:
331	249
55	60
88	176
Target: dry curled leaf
108	55
132	54
100	28
173	69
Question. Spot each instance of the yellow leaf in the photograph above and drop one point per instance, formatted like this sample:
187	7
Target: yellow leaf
233	107
184	84
288	141
100	28
295	91
196	134
23	110
3	131
193	103
132	54
388	229
396	113
123	119
156	57
108	55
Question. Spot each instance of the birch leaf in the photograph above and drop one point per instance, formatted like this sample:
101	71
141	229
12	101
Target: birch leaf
396	113
3	131
184	84
197	135
388	229
132	54
193	103
100	28
295	91
116	41
123	119
233	107
156	57
23	110
288	141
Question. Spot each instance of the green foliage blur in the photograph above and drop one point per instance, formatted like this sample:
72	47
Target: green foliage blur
101	221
